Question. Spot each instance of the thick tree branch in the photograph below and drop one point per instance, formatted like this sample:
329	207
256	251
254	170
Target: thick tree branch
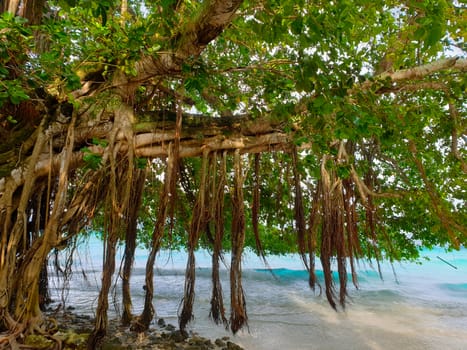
214	18
190	42
422	71
415	73
152	139
12	6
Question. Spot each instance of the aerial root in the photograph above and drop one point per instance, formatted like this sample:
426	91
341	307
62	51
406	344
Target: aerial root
51	325
46	328
8	341
16	330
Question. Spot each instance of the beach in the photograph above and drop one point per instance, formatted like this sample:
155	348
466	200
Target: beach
414	306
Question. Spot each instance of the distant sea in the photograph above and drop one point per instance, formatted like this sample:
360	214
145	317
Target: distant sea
414	306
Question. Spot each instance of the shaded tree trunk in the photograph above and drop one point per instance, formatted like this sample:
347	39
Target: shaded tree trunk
116	206
44	295
27	301
32	10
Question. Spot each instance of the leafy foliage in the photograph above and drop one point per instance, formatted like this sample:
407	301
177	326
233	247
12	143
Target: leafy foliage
297	63
367	100
14	42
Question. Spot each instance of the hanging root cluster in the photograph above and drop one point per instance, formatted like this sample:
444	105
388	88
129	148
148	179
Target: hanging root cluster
208	215
333	226
115	190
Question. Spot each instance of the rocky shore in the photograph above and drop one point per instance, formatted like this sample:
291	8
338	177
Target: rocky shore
74	329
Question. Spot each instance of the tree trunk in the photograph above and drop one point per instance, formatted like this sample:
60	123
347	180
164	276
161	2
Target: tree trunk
44	295
23	278
32	10
117	205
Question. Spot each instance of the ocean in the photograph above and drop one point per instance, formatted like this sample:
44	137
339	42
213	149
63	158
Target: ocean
414	306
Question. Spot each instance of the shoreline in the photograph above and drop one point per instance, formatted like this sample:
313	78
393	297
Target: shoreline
74	329
423	308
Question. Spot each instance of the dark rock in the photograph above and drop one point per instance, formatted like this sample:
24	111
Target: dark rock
83	330
154	338
114	344
203	343
195	340
178	336
170	327
83	318
165	335
220	343
161	322
76	330
233	346
193	347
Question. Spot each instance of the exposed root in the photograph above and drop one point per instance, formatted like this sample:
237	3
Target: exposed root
45	327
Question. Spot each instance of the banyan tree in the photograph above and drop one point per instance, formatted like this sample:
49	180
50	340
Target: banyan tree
335	130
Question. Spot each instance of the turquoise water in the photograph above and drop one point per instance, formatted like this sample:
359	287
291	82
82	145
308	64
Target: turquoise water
419	307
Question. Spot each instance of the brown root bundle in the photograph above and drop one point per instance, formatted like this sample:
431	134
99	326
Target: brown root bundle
312	233
142	322
116	205
113	226
217	312
238	316
339	236
255	207
327	232
130	243
197	223
300	225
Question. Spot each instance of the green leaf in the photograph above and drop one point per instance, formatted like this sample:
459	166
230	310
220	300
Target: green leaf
17	95
11	120
297	25
433	35
92	161
141	163
100	142
343	171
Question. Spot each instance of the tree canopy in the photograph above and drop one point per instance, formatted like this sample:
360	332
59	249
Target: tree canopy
333	129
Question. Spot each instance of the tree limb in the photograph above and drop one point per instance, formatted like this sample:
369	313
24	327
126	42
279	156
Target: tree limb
190	42
415	73
427	69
